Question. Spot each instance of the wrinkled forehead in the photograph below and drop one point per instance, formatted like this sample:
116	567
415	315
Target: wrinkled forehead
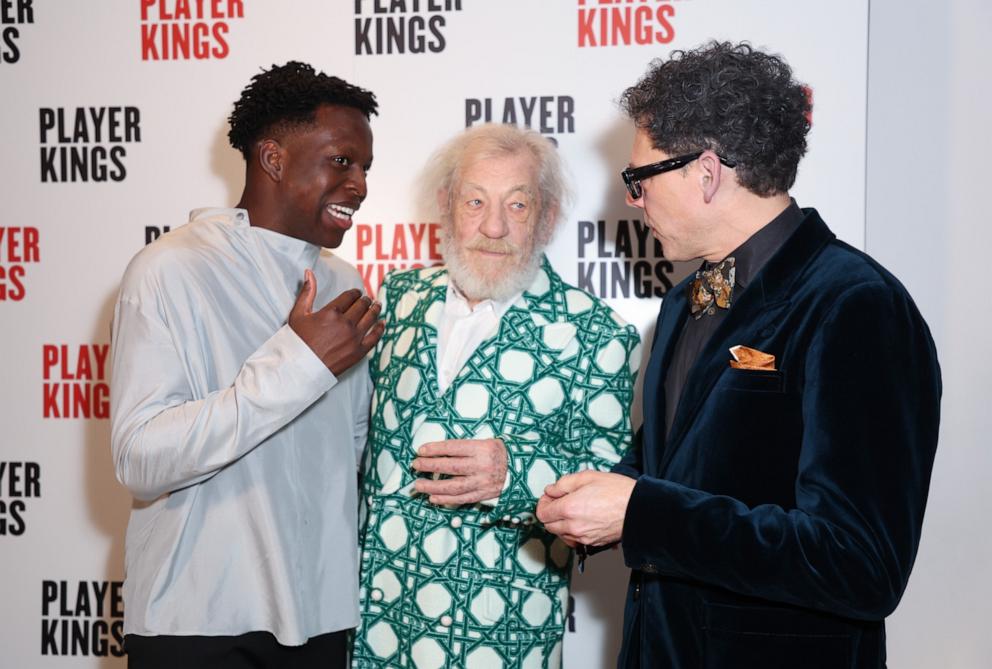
496	168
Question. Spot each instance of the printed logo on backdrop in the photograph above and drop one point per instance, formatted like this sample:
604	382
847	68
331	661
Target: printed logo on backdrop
86	144
75	381
381	248
13	15
153	232
187	29
18	247
19	482
621	259
82	618
402	26
550	115
626	22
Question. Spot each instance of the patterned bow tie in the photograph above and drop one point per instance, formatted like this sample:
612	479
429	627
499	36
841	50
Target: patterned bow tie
712	288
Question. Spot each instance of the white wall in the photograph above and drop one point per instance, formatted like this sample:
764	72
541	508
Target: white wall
929	143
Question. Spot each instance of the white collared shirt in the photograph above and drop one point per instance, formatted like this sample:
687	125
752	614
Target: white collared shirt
238	444
462	329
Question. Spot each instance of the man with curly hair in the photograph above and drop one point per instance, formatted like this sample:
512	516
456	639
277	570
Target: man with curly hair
770	509
240	400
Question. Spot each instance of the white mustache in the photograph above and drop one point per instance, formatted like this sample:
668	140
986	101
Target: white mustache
493	246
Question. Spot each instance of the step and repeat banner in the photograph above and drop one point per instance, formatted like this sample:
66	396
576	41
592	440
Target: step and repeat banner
114	128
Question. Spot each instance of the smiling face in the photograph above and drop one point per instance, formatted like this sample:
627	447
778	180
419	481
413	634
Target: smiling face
489	240
321	175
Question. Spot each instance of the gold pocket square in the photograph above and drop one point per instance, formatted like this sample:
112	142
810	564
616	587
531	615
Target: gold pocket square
750	358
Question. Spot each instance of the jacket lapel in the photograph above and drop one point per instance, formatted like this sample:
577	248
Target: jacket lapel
430	303
539	313
674	311
754	310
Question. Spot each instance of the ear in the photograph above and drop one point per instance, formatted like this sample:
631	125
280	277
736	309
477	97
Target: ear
551	213
710	174
271	156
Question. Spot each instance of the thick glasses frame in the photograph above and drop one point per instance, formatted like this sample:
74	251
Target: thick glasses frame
632	176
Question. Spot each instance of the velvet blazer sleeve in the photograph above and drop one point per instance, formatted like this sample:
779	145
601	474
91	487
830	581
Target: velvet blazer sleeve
630	464
868	408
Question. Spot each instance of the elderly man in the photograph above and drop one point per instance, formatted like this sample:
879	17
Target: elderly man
493	379
772	509
240	410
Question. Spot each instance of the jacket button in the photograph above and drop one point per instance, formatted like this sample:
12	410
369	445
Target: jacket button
456	522
446	620
637	591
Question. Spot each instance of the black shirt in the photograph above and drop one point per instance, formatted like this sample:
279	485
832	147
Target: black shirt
749	258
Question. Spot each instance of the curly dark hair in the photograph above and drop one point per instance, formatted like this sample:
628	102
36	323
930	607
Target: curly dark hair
287	96
732	99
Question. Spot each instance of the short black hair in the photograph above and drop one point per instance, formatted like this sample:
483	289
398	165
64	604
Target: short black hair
287	96
730	98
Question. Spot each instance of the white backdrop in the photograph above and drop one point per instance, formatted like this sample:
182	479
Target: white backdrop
152	130
929	139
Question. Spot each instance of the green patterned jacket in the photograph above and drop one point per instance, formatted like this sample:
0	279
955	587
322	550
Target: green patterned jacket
480	585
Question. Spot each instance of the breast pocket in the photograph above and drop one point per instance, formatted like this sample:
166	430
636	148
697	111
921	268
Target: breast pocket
755	380
749	434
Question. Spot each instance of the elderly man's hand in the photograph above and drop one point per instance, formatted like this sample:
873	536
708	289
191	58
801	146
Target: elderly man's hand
477	468
586	508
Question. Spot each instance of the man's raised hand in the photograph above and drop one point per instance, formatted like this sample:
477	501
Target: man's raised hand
343	331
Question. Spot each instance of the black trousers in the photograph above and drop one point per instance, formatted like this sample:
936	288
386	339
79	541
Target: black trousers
255	650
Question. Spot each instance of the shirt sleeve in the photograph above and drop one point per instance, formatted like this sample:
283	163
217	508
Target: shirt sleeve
163	437
363	400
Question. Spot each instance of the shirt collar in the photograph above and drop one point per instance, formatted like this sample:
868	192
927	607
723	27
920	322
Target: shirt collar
752	255
285	245
457	303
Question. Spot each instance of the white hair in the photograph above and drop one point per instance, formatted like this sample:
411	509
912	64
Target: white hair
441	174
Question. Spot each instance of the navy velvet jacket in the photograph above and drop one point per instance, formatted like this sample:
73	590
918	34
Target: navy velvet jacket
777	526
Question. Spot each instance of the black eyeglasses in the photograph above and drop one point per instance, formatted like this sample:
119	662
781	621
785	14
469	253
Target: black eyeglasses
632	176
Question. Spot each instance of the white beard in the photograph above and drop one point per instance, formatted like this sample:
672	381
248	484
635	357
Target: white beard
514	277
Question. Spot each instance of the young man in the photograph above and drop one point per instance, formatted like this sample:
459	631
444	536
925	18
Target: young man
237	430
772	510
493	378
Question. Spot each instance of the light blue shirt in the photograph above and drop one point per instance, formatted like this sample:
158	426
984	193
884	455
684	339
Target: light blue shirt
238	444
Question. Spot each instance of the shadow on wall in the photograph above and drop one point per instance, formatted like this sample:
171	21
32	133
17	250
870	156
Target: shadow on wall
108	502
227	164
614	149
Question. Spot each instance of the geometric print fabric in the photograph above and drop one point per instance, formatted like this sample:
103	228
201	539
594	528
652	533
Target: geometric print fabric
484	585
